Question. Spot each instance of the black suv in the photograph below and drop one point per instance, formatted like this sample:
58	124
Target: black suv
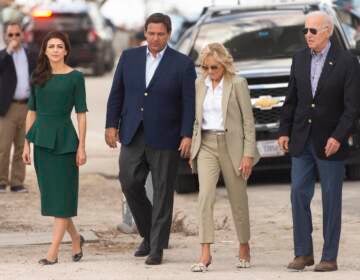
90	37
262	42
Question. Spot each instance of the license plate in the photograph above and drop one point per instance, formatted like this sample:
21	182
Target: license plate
269	148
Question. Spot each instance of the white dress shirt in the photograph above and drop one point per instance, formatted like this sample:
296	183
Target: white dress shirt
22	90
212	111
152	64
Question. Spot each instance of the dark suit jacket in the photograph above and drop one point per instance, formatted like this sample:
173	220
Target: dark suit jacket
166	107
8	79
333	110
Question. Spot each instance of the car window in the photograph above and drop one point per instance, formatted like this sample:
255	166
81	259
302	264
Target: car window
184	44
262	36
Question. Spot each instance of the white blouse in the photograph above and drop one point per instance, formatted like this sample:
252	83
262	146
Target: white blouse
212	111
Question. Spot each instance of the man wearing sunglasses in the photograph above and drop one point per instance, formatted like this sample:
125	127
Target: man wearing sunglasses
15	70
317	118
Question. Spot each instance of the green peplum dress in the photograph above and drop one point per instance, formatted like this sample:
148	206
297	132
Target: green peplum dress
56	142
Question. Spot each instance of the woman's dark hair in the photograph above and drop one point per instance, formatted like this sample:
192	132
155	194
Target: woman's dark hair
159	18
43	71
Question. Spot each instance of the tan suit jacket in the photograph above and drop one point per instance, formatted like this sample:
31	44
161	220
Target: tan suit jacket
238	121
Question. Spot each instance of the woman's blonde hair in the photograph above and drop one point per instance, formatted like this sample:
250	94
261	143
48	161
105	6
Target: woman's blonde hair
221	55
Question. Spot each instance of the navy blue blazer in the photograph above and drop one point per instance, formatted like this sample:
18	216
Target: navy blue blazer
331	112
166	107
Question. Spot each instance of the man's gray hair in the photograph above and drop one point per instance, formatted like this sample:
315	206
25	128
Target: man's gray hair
328	20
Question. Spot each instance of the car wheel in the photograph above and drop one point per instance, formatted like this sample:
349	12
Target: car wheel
110	63
98	69
109	66
186	183
353	172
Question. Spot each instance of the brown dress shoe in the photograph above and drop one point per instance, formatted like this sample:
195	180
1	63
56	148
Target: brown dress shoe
300	262
325	266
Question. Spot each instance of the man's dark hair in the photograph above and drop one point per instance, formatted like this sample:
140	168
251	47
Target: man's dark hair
9	23
159	18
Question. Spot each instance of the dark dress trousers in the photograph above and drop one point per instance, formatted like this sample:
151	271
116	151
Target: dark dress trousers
8	78
309	122
151	122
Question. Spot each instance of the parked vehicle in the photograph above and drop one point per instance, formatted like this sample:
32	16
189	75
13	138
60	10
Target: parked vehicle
262	41
90	36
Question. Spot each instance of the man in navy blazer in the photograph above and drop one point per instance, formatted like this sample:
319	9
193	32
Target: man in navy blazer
151	112
318	115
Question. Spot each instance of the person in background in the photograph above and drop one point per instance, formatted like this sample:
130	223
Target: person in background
16	66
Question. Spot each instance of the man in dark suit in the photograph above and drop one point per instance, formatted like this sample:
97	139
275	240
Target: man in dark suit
317	118
16	66
151	106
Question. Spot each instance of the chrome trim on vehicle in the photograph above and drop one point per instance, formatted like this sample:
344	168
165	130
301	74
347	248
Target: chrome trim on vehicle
268	86
267	126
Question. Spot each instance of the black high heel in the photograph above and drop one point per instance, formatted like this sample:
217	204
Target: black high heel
45	261
77	257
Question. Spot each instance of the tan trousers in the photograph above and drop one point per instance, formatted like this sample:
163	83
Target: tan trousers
12	131
213	157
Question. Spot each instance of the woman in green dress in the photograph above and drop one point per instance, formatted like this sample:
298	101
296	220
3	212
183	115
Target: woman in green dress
58	151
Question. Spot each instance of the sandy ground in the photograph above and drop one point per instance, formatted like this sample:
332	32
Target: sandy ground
111	257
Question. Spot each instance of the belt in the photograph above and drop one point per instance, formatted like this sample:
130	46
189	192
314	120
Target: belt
214	131
22	101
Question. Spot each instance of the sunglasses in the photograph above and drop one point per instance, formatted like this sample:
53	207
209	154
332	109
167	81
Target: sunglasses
212	67
313	31
13	35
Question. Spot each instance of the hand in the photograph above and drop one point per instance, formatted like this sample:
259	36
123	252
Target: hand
12	46
80	157
111	137
246	167
185	146
26	154
332	146
190	163
283	142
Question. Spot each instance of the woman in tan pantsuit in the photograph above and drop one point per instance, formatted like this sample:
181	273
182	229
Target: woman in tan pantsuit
223	140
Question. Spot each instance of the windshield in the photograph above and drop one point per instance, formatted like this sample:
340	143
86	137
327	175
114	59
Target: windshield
261	36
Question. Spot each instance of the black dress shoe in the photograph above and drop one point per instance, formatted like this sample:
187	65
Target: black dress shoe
143	249
2	188
18	189
47	262
154	259
77	257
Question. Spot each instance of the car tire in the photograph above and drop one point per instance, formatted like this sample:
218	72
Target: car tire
110	63
186	183
98	68
353	172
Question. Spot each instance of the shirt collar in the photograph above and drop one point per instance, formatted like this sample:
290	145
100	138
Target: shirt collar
208	82
158	55
323	52
20	50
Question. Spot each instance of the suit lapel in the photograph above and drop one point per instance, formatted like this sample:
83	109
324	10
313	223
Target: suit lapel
227	85
142	67
200	96
308	72
161	66
327	68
